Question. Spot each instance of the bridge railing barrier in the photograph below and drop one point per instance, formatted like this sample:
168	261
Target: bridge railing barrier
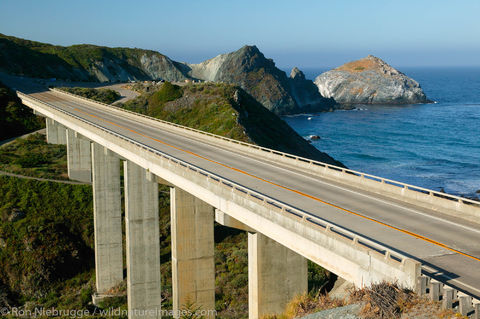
379	256
450	297
437	201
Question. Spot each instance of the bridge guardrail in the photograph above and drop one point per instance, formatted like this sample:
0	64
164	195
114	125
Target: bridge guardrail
450	297
462	207
426	284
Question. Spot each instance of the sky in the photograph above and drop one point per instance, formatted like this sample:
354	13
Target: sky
303	33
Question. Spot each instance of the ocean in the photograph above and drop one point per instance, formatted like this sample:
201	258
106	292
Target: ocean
436	146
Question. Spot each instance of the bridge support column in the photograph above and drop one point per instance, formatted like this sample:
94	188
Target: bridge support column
143	242
193	264
79	157
107	218
52	131
275	275
62	134
56	132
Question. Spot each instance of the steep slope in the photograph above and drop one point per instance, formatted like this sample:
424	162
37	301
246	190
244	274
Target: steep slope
84	62
369	81
15	118
227	110
248	68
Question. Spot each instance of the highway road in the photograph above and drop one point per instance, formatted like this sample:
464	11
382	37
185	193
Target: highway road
449	248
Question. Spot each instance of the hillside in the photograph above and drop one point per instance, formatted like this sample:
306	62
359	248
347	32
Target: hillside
84	62
246	67
226	110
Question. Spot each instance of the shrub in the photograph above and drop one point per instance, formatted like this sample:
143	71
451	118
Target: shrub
168	92
107	96
30	160
384	300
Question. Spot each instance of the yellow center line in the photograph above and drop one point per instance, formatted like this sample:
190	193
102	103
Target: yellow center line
289	189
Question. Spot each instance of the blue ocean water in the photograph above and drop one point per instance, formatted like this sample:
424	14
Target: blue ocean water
436	146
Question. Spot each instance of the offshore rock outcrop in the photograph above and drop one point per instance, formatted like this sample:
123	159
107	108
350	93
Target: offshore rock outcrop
251	70
369	81
306	93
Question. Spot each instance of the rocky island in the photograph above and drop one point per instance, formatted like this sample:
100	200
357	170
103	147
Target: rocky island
369	81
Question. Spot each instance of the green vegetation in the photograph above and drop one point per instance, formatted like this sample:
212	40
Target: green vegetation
206	107
106	96
167	93
359	68
32	156
15	118
46	240
231	266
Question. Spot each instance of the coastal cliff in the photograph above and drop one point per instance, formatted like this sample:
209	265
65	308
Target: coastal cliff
251	70
369	81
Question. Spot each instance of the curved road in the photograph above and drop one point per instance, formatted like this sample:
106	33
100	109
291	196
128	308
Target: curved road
448	248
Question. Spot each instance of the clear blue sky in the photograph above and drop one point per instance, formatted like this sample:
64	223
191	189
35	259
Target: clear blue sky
305	33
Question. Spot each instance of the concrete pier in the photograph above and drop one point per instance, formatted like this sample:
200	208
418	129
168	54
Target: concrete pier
275	275
56	132
79	158
193	264
143	242
107	218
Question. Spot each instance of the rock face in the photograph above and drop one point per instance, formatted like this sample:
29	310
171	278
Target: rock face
248	68
369	81
306	94
147	65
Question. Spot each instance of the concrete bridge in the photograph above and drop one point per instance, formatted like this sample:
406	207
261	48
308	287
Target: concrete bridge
361	227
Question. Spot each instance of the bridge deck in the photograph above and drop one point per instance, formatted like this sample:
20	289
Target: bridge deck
340	204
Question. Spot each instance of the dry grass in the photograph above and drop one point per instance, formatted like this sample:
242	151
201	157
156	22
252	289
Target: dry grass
382	300
386	300
358	66
305	304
